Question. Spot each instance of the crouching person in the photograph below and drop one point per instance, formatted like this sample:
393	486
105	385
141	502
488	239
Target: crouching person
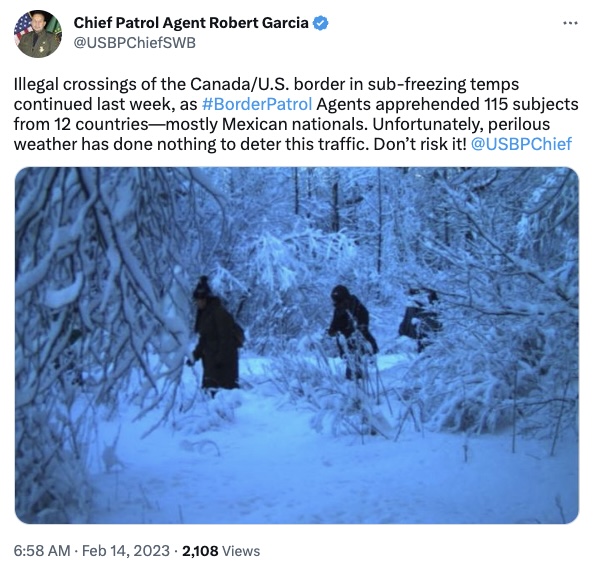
218	341
420	320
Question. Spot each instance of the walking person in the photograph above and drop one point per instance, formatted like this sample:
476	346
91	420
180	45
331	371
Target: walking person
351	321
220	337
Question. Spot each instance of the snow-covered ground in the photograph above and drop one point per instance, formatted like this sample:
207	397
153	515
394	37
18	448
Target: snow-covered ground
262	462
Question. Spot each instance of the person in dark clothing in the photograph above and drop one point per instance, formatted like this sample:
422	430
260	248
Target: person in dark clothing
420	322
351	320
218	343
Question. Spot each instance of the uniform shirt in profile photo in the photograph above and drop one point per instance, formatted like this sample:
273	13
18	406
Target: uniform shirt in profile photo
38	43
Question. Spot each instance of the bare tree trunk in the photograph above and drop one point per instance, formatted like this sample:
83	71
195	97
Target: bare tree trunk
335	208
380	223
296	182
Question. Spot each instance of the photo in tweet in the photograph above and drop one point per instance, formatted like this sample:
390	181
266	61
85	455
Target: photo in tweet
344	346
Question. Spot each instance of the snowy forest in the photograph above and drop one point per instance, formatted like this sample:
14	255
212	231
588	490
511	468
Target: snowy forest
106	260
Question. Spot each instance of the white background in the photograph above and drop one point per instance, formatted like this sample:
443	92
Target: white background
525	41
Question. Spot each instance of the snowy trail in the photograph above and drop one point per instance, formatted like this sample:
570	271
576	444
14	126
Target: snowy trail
267	465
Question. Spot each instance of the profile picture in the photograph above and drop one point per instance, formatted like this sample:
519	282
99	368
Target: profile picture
37	33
